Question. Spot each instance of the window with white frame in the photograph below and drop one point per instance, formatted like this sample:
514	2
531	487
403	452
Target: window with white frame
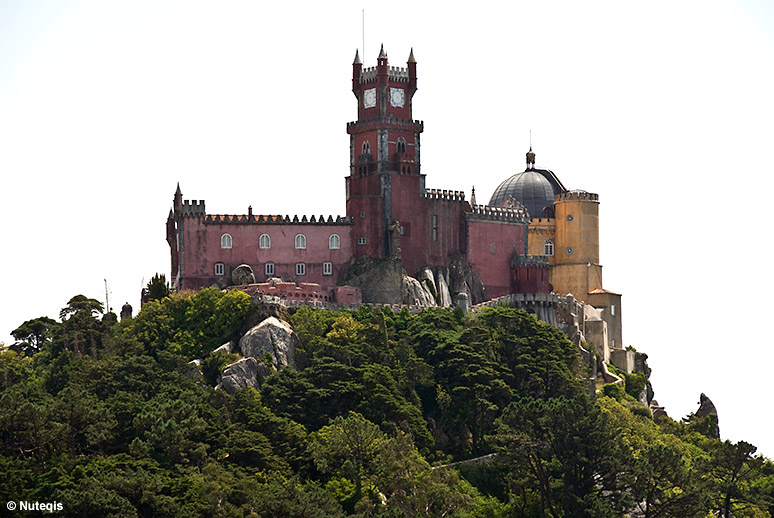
269	269
548	245
220	269
401	145
327	268
300	241
361	241
334	242
225	241
264	241
300	269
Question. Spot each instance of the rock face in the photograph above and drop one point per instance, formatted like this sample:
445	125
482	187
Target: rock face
273	336
379	280
240	374
242	274
706	409
227	348
415	293
462	279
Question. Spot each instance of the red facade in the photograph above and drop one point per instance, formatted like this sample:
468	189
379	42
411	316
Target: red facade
389	211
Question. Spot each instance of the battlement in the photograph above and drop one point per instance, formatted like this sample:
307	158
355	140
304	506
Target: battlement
540	261
576	195
365	124
487	213
193	207
444	194
399	74
250	219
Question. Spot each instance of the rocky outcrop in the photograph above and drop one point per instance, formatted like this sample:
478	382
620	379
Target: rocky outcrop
242	275
706	406
462	279
247	372
415	293
444	295
274	337
227	348
379	280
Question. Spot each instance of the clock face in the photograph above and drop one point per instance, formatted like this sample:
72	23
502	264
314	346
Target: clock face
369	98
397	97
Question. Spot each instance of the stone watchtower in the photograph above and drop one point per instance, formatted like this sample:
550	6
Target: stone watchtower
384	183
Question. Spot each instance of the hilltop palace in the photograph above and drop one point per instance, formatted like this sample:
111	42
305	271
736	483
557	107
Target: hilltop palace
535	243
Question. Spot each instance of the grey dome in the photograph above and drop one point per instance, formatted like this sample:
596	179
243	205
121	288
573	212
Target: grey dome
534	189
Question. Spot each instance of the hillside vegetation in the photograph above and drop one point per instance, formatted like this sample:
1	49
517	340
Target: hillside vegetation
107	418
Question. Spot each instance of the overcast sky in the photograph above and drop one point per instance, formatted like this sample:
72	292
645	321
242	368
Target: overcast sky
663	108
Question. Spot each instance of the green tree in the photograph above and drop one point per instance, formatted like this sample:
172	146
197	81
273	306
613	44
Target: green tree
348	447
158	287
34	334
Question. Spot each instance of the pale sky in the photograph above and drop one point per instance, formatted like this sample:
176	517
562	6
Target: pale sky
665	109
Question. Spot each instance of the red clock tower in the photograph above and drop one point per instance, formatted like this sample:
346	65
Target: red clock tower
385	188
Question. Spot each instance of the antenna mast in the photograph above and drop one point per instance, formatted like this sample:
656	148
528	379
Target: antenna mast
363	26
107	298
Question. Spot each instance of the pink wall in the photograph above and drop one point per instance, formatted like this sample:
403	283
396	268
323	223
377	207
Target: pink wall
202	245
493	262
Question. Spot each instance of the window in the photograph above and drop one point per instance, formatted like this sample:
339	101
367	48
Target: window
612	309
225	241
269	269
366	148
334	242
219	269
361	241
300	241
493	248
549	247
613	344
435	227
362	214
401	145
264	241
300	269
327	268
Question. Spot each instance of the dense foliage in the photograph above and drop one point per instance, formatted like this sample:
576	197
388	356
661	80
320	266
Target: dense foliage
106	418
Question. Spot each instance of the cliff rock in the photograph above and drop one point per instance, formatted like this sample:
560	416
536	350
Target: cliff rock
462	279
242	274
241	374
415	293
379	280
273	336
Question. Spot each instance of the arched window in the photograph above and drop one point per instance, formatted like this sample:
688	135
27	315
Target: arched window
366	148
334	242
225	241
264	241
549	247
401	145
300	241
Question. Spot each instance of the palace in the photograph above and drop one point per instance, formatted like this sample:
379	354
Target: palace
534	236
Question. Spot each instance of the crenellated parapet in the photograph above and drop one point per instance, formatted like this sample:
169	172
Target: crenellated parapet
396	74
576	195
193	207
537	261
444	194
250	219
487	213
416	126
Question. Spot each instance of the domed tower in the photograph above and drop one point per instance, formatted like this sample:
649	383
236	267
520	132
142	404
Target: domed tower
535	189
